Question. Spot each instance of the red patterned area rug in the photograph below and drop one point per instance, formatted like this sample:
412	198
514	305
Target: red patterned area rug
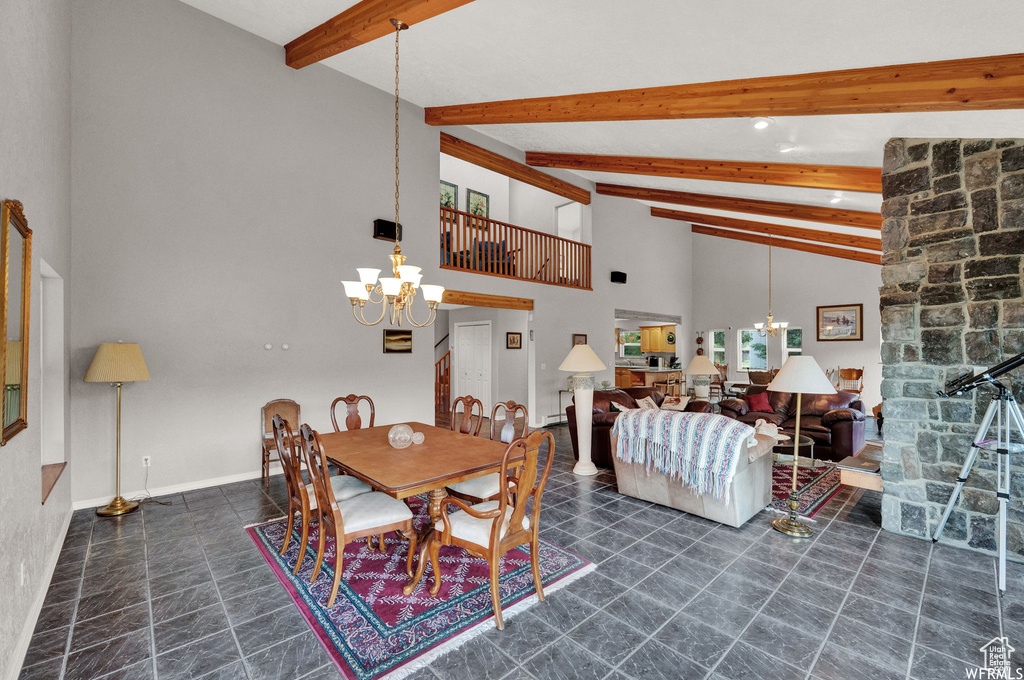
375	631
817	485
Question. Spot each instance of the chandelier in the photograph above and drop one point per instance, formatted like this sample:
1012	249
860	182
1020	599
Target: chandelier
772	328
395	293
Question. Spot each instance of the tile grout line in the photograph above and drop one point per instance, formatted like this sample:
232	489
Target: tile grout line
74	611
149	594
920	607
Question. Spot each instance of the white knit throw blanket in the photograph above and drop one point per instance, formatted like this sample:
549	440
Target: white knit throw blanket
699	449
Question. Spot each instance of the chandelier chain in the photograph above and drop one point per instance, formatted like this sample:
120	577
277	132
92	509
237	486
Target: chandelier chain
398	32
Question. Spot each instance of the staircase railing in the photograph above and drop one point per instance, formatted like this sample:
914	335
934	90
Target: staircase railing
443	383
477	244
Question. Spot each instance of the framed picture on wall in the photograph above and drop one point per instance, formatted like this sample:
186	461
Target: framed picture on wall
478	203
449	195
513	340
579	339
840	322
397	342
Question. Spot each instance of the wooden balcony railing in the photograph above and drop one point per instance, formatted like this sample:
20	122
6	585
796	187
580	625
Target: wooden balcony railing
443	383
476	244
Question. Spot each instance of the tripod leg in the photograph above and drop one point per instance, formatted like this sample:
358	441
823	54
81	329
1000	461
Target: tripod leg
965	471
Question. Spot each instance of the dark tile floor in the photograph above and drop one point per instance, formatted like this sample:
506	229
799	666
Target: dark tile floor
179	591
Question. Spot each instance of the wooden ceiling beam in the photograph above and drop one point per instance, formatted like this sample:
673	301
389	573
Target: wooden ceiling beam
838	177
471	153
843	253
359	24
774	229
974	84
794	211
458	297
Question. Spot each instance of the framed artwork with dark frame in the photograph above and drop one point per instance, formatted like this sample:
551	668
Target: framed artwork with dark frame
840	322
449	195
513	340
579	339
478	203
397	341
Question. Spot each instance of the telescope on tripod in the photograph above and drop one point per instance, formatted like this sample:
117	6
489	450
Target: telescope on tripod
1004	411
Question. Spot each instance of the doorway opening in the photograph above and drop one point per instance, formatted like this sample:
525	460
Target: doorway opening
51	376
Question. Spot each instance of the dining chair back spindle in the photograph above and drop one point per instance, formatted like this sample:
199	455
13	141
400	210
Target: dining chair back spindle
367	514
289	411
352	419
505	427
509	525
472	415
298	494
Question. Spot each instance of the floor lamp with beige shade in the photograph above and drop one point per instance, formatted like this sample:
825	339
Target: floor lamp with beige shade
701	368
117	363
581	361
799	375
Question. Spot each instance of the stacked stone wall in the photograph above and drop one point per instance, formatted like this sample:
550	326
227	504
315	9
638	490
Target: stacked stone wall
951	300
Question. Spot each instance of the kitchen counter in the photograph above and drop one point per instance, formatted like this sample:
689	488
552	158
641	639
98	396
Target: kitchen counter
644	369
644	376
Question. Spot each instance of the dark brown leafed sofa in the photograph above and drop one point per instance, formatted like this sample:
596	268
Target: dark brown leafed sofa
604	418
834	421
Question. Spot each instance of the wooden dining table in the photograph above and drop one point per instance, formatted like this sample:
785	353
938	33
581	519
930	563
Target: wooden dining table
445	457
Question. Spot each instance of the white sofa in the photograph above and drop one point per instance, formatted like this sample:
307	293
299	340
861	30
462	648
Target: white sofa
749	492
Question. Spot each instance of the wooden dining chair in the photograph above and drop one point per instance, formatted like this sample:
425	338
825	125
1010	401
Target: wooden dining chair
301	496
851	380
287	409
472	412
487	488
718	381
352	419
489	530
367	514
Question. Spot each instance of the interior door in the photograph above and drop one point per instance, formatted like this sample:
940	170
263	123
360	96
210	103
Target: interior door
472	361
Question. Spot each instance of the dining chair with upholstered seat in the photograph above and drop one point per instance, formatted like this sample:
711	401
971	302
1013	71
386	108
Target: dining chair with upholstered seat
851	380
367	514
301	496
489	530
287	409
352	419
504	428
472	415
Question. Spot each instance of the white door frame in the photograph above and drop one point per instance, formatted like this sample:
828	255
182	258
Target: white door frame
485	398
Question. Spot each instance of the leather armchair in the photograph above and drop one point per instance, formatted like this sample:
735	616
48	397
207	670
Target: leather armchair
604	417
834	421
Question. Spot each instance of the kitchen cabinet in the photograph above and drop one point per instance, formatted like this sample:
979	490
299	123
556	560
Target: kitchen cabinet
623	378
639	377
656	338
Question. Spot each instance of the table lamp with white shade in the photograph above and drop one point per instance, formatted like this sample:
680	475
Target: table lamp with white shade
117	363
581	362
702	369
799	375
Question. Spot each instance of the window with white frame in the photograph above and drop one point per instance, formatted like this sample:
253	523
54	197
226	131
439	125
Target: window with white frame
753	354
792	343
717	346
629	344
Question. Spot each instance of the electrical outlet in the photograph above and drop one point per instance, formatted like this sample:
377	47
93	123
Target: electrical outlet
146	461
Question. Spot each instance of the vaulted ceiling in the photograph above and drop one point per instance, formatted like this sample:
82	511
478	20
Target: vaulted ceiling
487	50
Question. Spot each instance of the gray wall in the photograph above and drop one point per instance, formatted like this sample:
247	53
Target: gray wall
509	367
732	280
35	138
222	196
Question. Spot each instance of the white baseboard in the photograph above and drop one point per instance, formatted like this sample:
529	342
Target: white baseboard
275	468
21	648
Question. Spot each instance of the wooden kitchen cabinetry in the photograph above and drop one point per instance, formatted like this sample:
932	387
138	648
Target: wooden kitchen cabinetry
656	338
623	378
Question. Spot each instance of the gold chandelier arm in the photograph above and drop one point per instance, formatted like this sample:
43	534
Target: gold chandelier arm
361	318
371	291
430	316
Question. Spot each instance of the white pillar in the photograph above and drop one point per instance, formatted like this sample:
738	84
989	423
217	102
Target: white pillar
583	390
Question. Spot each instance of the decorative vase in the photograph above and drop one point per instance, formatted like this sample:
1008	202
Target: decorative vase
400	436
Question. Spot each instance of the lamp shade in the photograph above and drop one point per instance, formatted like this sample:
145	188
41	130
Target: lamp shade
701	365
801	374
117	362
582	359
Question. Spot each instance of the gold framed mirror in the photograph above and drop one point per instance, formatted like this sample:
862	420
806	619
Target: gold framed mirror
16	259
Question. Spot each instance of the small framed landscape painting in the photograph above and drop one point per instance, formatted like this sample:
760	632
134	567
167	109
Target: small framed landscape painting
840	322
478	203
579	339
449	195
513	340
397	342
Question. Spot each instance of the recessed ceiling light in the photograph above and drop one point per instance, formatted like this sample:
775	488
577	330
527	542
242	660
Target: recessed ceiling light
762	123
785	147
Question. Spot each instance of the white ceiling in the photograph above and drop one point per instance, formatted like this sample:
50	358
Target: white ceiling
497	49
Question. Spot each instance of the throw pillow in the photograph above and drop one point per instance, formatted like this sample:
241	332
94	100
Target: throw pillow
647	402
619	408
674	403
758	402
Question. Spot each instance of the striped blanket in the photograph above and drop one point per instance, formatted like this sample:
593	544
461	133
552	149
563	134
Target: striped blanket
699	449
